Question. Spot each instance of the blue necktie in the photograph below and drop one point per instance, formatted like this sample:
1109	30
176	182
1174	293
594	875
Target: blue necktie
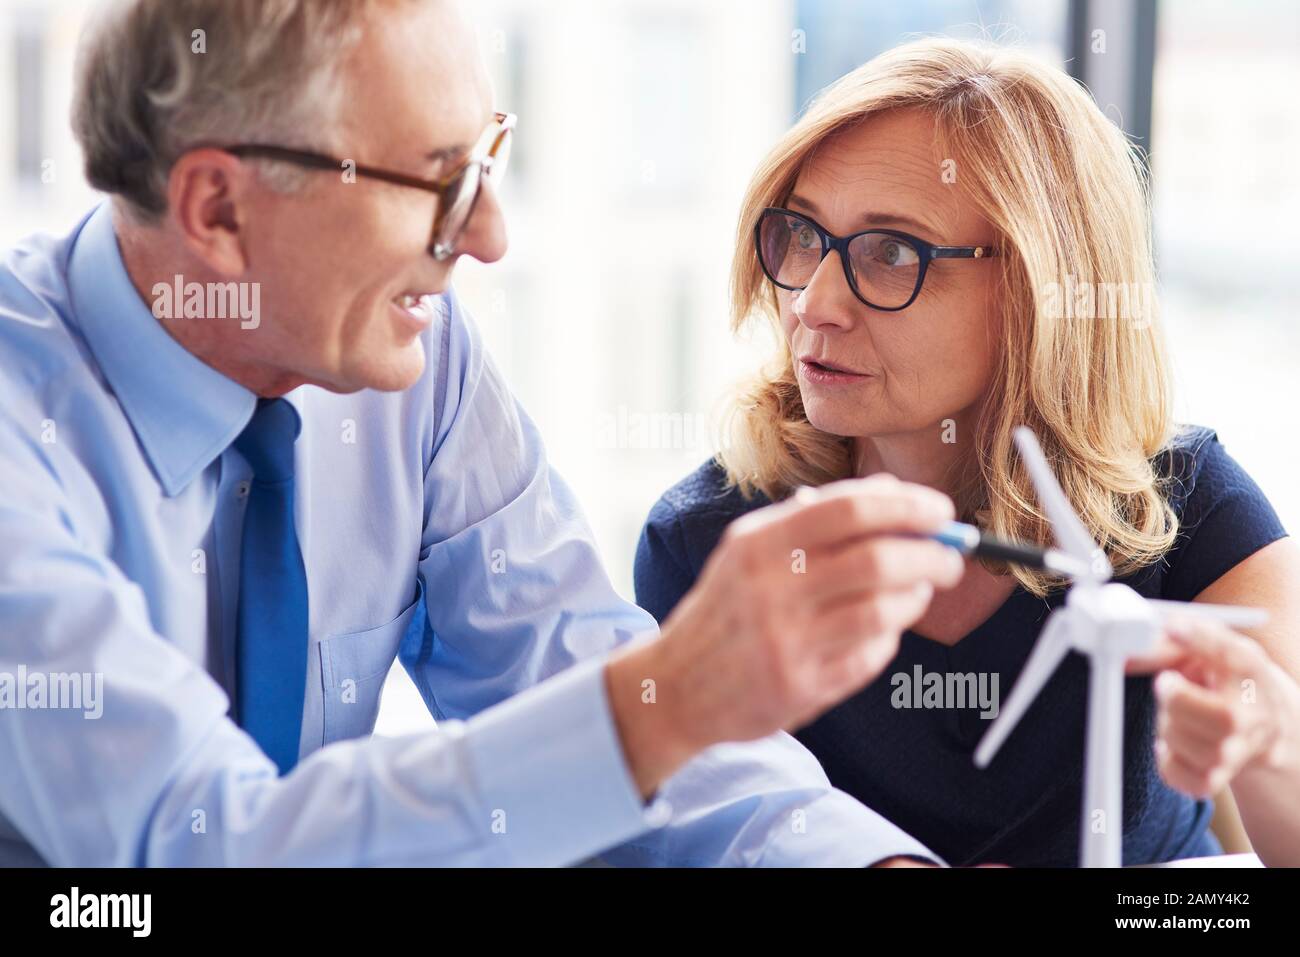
271	648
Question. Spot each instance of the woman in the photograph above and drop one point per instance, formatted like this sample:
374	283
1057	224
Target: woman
940	244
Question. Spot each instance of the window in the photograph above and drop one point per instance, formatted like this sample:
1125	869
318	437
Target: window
1226	204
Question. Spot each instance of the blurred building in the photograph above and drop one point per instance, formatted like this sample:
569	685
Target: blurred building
640	124
41	186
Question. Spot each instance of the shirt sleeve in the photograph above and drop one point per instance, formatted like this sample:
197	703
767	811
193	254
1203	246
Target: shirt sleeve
1225	519
150	770
516	592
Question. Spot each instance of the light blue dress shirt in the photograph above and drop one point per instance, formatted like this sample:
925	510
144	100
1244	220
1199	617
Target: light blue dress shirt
432	529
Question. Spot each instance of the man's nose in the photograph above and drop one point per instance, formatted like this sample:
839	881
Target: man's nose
484	236
827	301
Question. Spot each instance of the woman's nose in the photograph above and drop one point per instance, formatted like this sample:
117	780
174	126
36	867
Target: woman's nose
827	301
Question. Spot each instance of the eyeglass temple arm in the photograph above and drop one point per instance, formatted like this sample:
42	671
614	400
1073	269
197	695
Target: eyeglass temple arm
962	252
319	161
297	157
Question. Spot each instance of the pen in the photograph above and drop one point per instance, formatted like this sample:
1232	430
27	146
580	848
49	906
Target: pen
969	540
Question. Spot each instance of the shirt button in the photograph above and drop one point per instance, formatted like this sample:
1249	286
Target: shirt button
242	488
659	813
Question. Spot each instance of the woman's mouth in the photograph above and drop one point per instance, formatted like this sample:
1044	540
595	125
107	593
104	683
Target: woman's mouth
825	373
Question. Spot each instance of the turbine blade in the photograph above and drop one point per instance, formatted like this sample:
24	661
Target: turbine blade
1072	537
1051	647
1234	616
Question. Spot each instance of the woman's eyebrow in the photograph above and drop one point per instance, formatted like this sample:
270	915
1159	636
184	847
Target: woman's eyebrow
871	219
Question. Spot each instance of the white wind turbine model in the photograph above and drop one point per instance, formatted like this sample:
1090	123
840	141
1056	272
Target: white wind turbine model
1109	623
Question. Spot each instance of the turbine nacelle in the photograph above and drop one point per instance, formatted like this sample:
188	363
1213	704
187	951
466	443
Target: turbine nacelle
1117	615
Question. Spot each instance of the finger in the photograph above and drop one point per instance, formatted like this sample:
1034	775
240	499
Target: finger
1182	776
1217	649
850	623
1168	653
844	675
856	665
1198	752
881	563
837	513
1192	705
1168	726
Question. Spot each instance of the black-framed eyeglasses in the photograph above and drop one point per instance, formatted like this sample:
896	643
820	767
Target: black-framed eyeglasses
457	192
884	267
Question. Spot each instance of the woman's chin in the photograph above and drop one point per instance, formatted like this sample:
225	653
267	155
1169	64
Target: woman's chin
834	419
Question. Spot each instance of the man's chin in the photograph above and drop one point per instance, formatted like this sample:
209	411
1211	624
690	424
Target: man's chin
398	375
396	372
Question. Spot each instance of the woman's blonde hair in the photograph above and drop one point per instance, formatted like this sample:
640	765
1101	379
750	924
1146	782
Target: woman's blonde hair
1062	187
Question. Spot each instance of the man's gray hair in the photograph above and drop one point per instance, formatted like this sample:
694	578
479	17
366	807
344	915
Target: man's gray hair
158	77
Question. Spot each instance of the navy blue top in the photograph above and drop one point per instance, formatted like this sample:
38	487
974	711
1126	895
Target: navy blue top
914	765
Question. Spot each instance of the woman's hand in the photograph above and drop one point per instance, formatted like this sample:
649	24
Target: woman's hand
1224	707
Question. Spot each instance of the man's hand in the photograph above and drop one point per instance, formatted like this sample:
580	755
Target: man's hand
800	605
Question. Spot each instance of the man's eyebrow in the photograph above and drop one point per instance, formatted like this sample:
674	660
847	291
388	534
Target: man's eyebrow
460	151
447	153
871	219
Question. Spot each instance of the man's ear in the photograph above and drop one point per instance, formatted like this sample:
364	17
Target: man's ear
208	193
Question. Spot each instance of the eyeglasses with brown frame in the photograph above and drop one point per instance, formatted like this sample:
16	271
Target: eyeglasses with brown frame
457	192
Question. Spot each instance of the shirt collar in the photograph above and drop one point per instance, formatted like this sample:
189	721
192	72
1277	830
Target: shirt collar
184	412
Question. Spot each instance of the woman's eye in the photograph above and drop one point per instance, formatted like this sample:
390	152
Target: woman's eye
806	238
893	252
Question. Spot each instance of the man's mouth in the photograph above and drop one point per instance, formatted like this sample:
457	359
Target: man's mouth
416	308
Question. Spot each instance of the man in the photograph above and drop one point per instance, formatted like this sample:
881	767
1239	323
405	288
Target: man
224	522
